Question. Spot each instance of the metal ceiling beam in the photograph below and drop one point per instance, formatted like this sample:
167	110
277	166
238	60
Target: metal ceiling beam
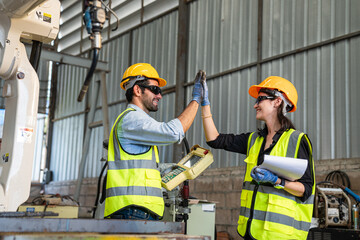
69	59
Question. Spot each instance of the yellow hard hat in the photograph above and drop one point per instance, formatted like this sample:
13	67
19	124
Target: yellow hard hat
280	84
141	71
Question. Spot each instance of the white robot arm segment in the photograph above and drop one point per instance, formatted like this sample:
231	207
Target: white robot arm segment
29	21
18	8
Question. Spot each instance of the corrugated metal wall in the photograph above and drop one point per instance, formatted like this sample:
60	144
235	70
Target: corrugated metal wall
223	35
68	133
73	38
40	148
326	76
315	44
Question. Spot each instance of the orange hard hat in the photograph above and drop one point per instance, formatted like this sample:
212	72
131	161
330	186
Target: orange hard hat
280	84
140	71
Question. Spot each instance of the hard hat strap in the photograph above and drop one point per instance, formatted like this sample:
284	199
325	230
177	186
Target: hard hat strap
287	105
129	84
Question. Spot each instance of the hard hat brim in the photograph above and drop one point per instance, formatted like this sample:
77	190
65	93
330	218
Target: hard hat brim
254	90
162	82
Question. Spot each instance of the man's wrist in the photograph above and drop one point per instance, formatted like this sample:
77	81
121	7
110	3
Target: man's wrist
196	100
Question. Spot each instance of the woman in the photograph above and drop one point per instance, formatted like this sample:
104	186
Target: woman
271	207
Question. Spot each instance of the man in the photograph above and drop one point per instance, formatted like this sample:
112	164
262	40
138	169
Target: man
133	187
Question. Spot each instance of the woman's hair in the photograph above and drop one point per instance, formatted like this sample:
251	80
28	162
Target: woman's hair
284	121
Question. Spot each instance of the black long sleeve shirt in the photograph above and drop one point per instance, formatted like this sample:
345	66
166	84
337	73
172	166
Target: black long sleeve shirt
238	143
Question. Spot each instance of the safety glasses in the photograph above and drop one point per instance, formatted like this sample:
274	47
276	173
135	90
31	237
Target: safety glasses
262	98
154	89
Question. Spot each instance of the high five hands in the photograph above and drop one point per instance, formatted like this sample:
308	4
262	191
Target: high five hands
200	92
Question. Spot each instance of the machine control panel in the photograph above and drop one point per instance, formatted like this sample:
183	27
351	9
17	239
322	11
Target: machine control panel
191	166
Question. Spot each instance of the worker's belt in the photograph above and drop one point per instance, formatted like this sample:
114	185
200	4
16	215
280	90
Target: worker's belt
134	213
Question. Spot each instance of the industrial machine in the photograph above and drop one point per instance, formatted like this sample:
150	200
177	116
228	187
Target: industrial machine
174	207
332	207
198	215
334	215
33	20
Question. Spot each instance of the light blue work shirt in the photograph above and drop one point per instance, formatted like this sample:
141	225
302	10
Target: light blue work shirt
139	131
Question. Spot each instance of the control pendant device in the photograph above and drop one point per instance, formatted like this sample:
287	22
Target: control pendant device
191	166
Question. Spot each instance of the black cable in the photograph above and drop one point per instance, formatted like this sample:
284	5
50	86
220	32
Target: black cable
105	146
35	54
339	177
98	188
89	75
186	185
46	205
186	143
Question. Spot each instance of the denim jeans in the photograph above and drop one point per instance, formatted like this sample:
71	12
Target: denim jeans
134	214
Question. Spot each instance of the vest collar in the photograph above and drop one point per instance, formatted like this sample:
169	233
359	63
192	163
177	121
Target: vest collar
137	108
264	132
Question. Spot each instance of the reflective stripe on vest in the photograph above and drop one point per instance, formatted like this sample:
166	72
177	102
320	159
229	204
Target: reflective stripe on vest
126	164
277	218
132	180
277	213
135	190
274	191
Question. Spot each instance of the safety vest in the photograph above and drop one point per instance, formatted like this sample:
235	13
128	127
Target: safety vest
132	180
268	212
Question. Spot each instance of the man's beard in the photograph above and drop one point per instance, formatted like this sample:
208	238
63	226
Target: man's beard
150	106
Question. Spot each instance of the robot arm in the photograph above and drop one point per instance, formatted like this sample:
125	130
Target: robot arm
18	9
33	20
28	21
